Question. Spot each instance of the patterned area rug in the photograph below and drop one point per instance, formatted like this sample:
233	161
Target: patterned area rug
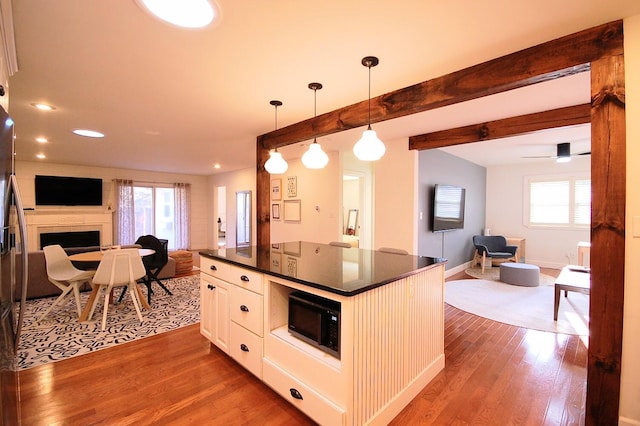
60	335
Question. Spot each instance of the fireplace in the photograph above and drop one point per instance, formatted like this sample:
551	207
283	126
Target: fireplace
70	239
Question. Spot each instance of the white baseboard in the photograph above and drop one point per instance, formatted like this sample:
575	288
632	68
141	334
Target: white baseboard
459	268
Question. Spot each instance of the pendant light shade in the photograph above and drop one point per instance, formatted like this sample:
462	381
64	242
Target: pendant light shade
369	147
315	157
276	165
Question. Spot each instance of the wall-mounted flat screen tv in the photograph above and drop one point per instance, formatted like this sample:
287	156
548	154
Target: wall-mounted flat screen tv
68	191
448	208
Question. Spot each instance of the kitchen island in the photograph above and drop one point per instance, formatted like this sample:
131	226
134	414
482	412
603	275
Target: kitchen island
391	324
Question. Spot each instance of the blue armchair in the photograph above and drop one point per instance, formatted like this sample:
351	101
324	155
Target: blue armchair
493	247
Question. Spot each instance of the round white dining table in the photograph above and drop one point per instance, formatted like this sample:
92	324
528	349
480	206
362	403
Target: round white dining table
96	256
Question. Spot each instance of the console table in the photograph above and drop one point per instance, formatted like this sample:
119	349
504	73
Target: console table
391	325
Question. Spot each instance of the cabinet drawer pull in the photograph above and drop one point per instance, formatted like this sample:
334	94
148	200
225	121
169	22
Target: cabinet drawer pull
295	393
244	278
211	287
244	348
244	308
213	268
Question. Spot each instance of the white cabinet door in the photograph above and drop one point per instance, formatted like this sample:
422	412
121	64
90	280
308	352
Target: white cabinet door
214	311
206	306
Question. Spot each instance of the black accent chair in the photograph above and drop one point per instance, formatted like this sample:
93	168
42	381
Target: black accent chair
493	247
153	263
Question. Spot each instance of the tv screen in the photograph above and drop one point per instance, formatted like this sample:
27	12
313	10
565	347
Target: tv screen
68	191
448	208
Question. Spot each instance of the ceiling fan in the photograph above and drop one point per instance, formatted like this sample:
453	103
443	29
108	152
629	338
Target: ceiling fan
563	153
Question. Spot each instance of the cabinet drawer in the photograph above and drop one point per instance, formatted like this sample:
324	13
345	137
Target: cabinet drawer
215	268
319	408
246	348
246	309
245	278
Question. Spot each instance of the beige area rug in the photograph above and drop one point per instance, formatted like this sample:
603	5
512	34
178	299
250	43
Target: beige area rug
529	307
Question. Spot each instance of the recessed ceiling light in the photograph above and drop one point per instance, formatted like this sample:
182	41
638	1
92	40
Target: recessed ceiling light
216	166
43	107
41	156
88	133
41	140
184	13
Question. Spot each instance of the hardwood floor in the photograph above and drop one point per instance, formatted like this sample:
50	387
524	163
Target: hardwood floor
495	374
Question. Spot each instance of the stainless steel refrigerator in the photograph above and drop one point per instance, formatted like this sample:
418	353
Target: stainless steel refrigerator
13	273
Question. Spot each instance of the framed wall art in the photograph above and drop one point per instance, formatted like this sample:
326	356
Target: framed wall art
275	211
276	192
292	186
292	210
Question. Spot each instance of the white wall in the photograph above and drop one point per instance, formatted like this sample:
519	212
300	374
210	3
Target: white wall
241	180
26	171
630	386
315	188
395	197
551	248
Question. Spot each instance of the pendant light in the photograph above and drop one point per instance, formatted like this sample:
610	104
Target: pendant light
369	147
315	157
276	165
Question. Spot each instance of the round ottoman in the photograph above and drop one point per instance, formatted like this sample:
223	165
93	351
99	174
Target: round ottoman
521	274
184	261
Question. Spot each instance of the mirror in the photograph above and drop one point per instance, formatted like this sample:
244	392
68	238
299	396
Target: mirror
352	220
243	218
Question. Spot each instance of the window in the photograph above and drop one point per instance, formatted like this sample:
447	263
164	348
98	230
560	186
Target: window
559	202
154	212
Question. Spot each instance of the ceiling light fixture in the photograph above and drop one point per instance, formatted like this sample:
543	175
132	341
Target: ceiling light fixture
41	156
564	152
276	165
315	157
43	107
369	147
41	139
88	133
183	13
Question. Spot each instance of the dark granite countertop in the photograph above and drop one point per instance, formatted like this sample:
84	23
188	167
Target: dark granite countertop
345	271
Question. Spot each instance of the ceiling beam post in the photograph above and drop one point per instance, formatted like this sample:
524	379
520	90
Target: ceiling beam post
513	126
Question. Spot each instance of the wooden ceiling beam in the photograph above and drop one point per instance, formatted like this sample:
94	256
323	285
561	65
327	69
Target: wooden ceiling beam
513	126
548	61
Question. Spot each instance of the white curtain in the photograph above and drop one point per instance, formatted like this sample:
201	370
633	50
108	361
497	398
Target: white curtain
182	197
124	223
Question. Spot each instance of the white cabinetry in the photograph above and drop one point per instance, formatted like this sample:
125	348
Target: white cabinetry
214	311
392	342
231	311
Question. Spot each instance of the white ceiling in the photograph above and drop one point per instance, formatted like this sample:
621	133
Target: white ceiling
181	100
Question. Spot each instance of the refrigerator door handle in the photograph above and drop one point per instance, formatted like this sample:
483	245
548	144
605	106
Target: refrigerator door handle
22	229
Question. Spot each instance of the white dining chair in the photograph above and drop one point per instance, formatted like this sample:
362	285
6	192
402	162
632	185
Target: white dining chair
118	268
65	276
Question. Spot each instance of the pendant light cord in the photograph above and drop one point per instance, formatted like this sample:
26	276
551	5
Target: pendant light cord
369	96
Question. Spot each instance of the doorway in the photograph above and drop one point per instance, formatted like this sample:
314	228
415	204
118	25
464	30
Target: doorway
221	212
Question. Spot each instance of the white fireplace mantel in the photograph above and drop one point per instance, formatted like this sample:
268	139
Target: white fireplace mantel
41	221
